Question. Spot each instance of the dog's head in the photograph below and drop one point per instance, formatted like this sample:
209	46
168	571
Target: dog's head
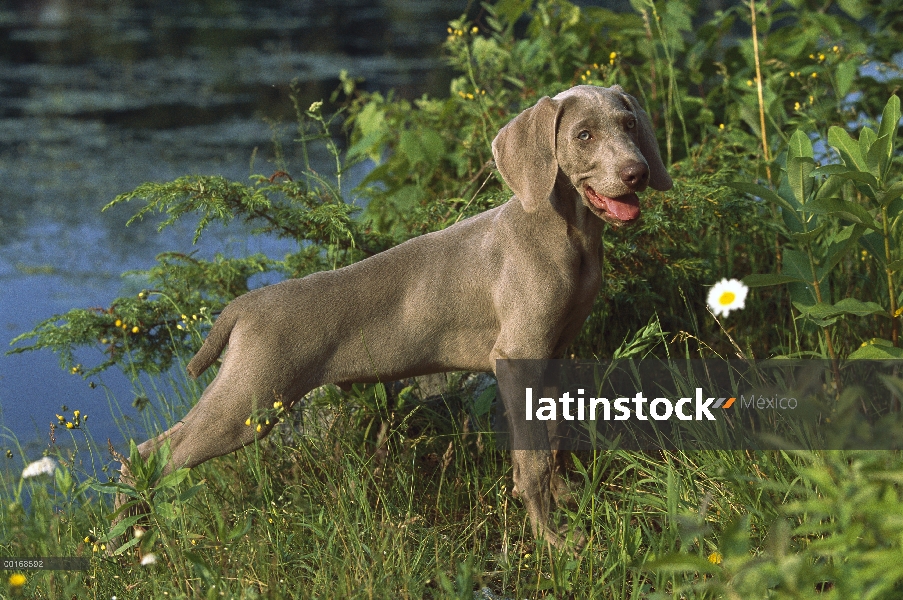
598	137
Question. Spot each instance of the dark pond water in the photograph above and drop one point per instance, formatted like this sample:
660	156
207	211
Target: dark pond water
97	97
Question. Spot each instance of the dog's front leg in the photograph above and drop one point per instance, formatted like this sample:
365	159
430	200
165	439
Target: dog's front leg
531	454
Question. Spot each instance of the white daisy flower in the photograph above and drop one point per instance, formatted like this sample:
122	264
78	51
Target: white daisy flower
726	295
149	559
45	466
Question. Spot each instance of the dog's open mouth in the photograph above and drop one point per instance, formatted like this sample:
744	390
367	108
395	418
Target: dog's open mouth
623	208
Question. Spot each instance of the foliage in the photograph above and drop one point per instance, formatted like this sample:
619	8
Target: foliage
828	211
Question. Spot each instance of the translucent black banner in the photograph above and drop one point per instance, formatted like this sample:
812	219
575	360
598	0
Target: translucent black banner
651	404
45	563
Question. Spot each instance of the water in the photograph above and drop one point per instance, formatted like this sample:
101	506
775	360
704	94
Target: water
98	97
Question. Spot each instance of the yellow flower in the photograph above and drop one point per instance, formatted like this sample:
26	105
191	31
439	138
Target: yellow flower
75	413
613	56
475	29
835	49
277	404
118	323
793	73
898	312
814	75
715	558
796	106
69	425
749	82
135	329
16	580
259	428
248	422
721	126
184	317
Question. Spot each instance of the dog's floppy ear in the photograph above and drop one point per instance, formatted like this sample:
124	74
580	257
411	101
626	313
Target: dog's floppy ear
524	152
658	175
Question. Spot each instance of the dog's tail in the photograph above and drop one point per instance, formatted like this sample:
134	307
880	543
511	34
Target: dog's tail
214	344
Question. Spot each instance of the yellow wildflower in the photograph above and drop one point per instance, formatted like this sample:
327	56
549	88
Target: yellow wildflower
715	558
16	580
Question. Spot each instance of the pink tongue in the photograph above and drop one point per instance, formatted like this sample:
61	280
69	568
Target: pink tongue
623	208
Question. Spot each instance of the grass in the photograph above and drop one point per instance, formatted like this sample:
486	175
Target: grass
341	502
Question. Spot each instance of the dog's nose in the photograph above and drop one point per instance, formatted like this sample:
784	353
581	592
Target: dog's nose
635	175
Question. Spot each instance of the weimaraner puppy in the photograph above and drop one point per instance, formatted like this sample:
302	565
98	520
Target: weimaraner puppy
517	281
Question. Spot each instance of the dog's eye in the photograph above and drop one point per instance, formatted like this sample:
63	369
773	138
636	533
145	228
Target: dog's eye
631	123
584	135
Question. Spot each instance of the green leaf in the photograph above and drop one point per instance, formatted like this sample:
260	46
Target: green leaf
843	241
890	121
762	192
854	8
876	352
843	209
132	542
120	527
834	169
844	172
891	193
873	242
809	235
844	75
767	279
816	313
795	264
895	265
867	137
852	306
800	146
190	492
173	479
878	156
798	170
482	404
847	147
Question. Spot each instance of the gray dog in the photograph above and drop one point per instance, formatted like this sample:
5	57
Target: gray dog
517	281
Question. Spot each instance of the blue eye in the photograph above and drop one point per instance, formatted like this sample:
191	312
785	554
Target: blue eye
584	135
